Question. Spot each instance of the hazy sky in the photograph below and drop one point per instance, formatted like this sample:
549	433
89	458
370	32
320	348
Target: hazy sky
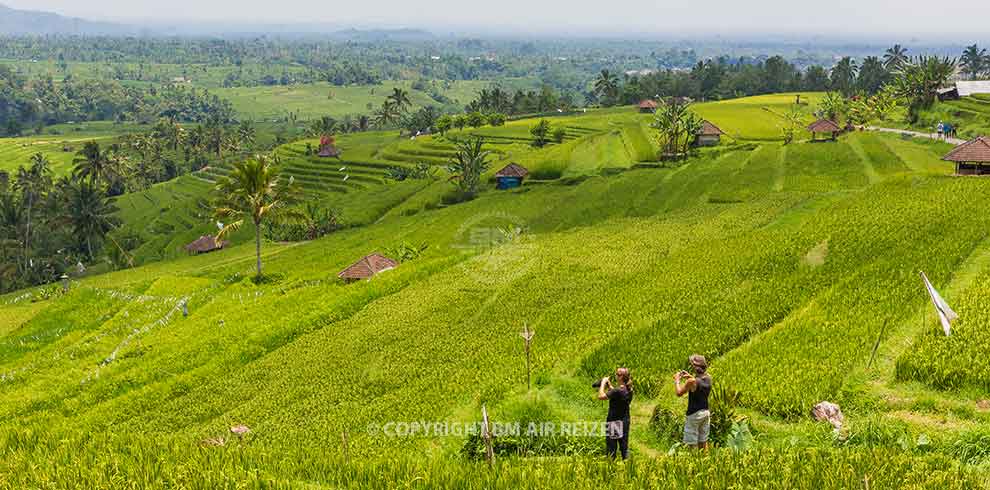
706	17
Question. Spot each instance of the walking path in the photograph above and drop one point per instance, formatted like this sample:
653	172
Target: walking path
934	136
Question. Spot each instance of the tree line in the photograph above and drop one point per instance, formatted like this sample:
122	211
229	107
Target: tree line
29	105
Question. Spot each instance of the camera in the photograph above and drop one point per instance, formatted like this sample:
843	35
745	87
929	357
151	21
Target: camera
596	384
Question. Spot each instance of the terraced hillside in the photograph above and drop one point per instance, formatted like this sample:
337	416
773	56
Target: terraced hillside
793	268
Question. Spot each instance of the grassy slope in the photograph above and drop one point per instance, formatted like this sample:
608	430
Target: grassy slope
712	256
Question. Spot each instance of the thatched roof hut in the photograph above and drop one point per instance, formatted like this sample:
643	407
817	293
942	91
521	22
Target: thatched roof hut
647	105
826	126
971	156
205	244
367	267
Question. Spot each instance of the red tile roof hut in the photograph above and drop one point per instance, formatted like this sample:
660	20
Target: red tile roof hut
971	156
205	244
367	267
824	126
511	176
708	135
647	106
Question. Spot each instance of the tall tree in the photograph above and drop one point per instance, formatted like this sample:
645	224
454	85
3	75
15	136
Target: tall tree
254	190
872	75
606	87
974	61
843	76
90	214
895	58
919	81
90	163
400	98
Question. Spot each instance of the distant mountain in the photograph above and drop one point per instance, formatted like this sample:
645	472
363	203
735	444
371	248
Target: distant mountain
27	22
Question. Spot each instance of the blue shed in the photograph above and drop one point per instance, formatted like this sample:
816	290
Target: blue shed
511	176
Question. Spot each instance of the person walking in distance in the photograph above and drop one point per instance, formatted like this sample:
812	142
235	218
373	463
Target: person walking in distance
697	387
617	422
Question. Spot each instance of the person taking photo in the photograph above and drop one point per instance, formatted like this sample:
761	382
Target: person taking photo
697	387
617	422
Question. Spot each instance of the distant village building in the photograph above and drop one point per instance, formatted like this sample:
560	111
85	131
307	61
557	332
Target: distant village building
971	157
824	126
367	267
205	244
708	135
511	176
964	88
647	106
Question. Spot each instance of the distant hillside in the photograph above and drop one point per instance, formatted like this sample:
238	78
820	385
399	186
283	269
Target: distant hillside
27	22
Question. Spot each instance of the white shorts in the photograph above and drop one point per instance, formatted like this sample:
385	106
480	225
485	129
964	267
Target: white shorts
696	427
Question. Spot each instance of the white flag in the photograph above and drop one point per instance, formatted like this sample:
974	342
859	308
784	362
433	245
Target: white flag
945	313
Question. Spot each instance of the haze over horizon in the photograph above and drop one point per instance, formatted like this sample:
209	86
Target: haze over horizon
855	18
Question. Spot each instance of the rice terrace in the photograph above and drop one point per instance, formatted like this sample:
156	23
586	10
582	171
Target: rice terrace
246	247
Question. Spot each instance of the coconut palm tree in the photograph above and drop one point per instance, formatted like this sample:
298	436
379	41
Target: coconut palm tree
325	125
90	163
843	76
89	213
895	58
387	115
606	86
246	134
400	98
254	190
919	81
32	182
973	61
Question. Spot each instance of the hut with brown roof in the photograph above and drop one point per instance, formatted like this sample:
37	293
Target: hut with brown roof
205	244
367	267
511	176
647	106
824	126
971	157
708	135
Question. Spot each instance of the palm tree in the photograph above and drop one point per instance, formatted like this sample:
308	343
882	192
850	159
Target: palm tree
254	190
606	85
90	213
32	183
400	98
895	58
843	76
323	126
973	61
386	115
920	81
90	163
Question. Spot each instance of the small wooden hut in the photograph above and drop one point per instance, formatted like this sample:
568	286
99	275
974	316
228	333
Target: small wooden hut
647	106
824	126
367	267
708	135
205	244
971	157
511	176
328	147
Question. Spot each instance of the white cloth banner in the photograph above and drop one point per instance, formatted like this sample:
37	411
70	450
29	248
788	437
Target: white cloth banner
945	313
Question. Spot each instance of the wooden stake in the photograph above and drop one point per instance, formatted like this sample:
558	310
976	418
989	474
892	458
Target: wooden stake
486	435
876	345
527	336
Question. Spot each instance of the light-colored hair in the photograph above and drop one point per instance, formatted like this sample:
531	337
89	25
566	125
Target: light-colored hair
622	374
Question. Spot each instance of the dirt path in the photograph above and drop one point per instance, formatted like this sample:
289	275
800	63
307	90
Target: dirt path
917	134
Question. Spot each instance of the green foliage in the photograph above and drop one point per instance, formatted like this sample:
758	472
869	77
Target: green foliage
541	133
404	252
468	164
